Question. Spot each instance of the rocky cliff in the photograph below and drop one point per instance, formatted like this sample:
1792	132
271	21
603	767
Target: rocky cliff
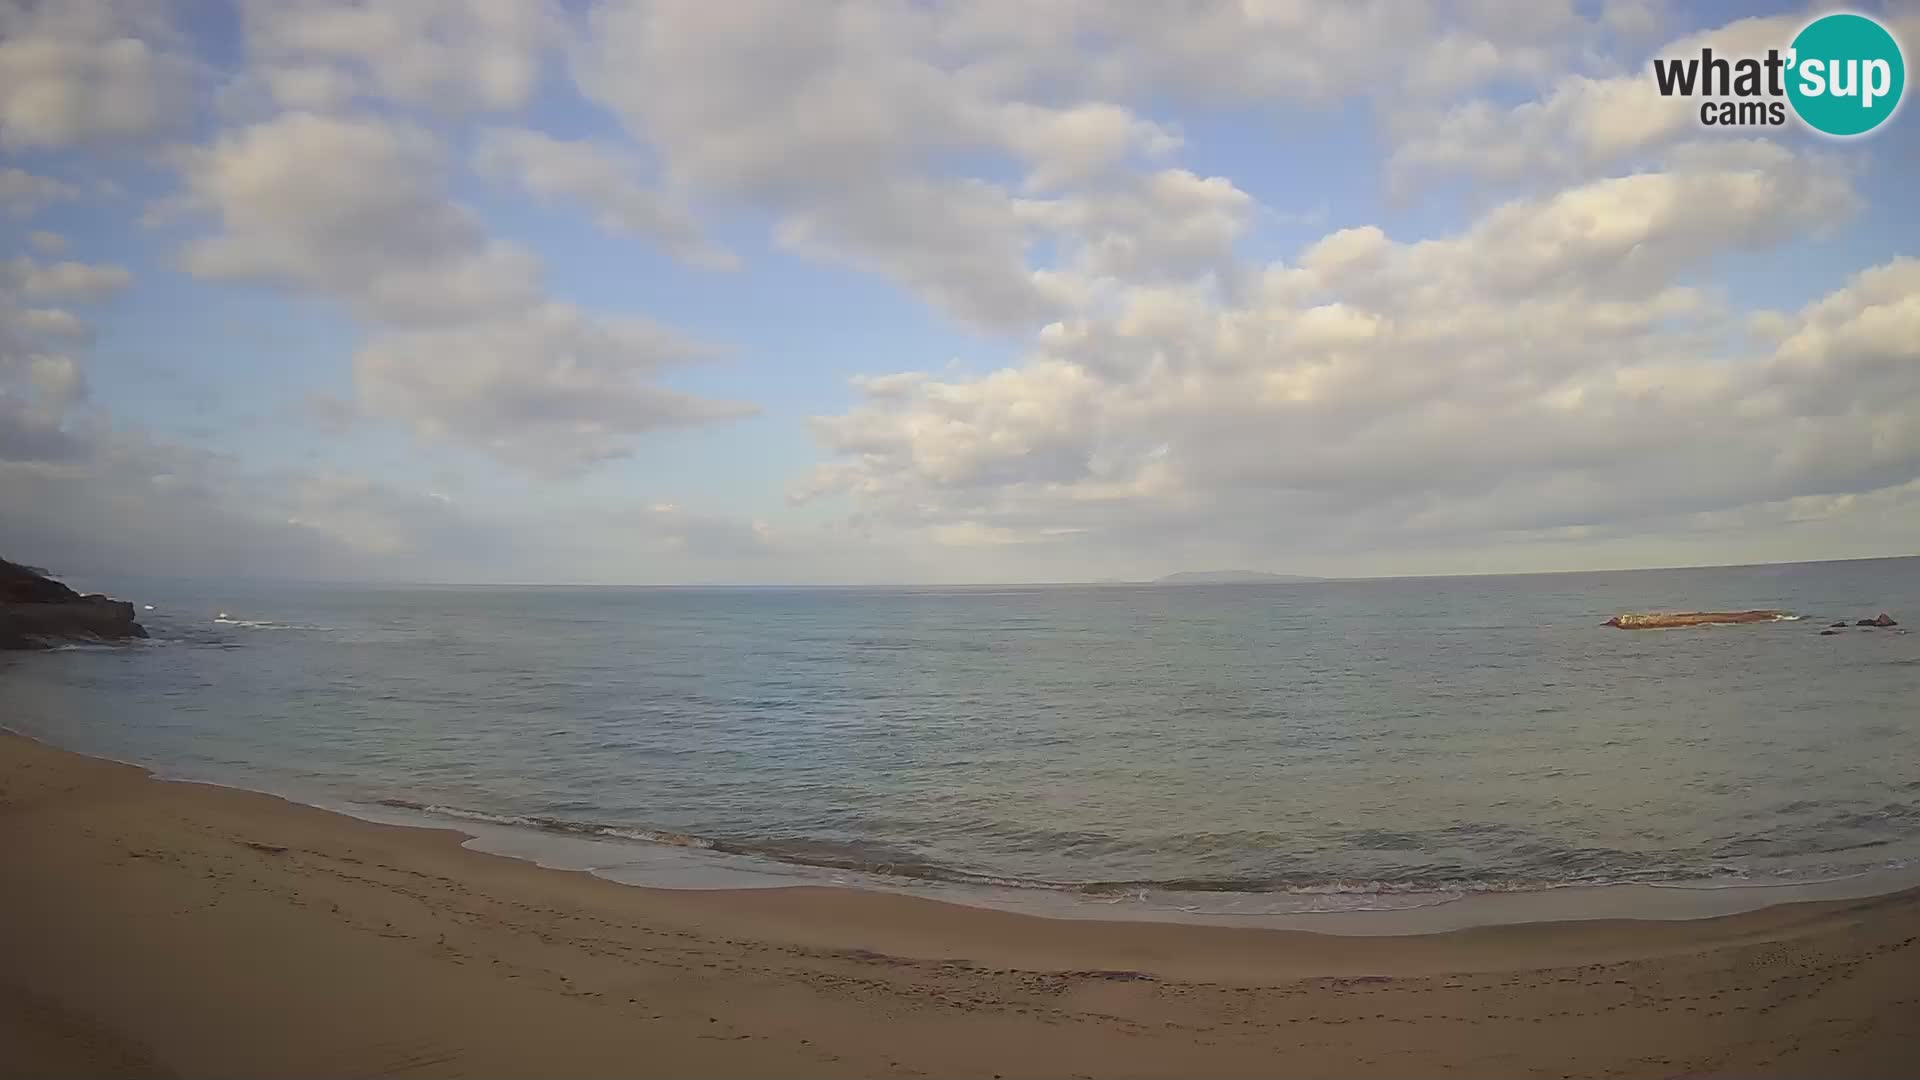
37	612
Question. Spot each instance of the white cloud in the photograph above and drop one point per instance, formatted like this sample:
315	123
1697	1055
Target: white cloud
454	55
847	121
40	380
77	71
48	322
1554	371
549	388
315	87
959	245
116	500
1634	20
1851	354
604	179
57	380
62	280
1583	125
1544	369
467	346
1628	232
23	194
1171	225
1078	143
353	208
884	137
31	432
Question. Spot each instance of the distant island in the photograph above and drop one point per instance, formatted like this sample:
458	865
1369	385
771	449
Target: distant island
1231	577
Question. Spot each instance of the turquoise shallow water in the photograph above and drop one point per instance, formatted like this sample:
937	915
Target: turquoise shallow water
1345	739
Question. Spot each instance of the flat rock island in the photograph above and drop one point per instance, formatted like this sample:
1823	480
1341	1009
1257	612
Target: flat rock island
1672	620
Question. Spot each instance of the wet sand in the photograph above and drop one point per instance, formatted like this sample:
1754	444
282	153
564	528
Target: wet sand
153	928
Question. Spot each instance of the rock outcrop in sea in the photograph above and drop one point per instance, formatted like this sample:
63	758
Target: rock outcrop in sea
1672	620
1667	621
37	612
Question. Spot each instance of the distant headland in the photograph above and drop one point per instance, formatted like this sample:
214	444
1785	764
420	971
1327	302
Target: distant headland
1231	577
37	612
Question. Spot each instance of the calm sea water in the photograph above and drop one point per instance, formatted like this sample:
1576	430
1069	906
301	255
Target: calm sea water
1363	738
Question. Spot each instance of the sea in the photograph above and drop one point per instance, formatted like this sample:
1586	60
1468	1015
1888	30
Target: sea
1217	749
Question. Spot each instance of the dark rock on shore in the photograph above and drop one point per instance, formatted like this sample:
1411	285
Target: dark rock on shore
37	612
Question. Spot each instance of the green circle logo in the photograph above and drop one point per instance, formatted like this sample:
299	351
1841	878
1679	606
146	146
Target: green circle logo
1847	74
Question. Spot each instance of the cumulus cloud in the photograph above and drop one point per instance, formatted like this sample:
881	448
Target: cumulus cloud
602	178
23	194
549	387
450	55
80	71
1585	124
844	121
1515	375
352	208
114	500
40	376
881	137
1270	53
1545	368
1168	226
468	346
119	501
62	280
1623	233
32	432
1555	370
374	523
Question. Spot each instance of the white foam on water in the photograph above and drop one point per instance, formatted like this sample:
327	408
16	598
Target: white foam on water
1336	908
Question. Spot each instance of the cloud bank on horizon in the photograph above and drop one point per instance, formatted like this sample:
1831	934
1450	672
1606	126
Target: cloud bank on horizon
667	291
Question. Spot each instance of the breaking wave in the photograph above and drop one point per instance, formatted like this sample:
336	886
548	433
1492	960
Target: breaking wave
877	860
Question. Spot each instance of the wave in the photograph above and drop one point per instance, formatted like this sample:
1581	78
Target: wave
1741	881
1345	893
116	645
223	619
556	825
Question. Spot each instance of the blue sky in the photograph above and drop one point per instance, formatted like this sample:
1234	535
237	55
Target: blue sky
508	290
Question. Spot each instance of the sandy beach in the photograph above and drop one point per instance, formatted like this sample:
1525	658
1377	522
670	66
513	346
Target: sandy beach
155	929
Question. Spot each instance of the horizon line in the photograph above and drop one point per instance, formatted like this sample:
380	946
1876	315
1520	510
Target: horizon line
1302	579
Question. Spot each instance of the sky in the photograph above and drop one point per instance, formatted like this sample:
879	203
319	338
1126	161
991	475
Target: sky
675	291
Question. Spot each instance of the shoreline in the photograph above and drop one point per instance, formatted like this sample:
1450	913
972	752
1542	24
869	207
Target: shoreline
158	927
653	864
647	864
